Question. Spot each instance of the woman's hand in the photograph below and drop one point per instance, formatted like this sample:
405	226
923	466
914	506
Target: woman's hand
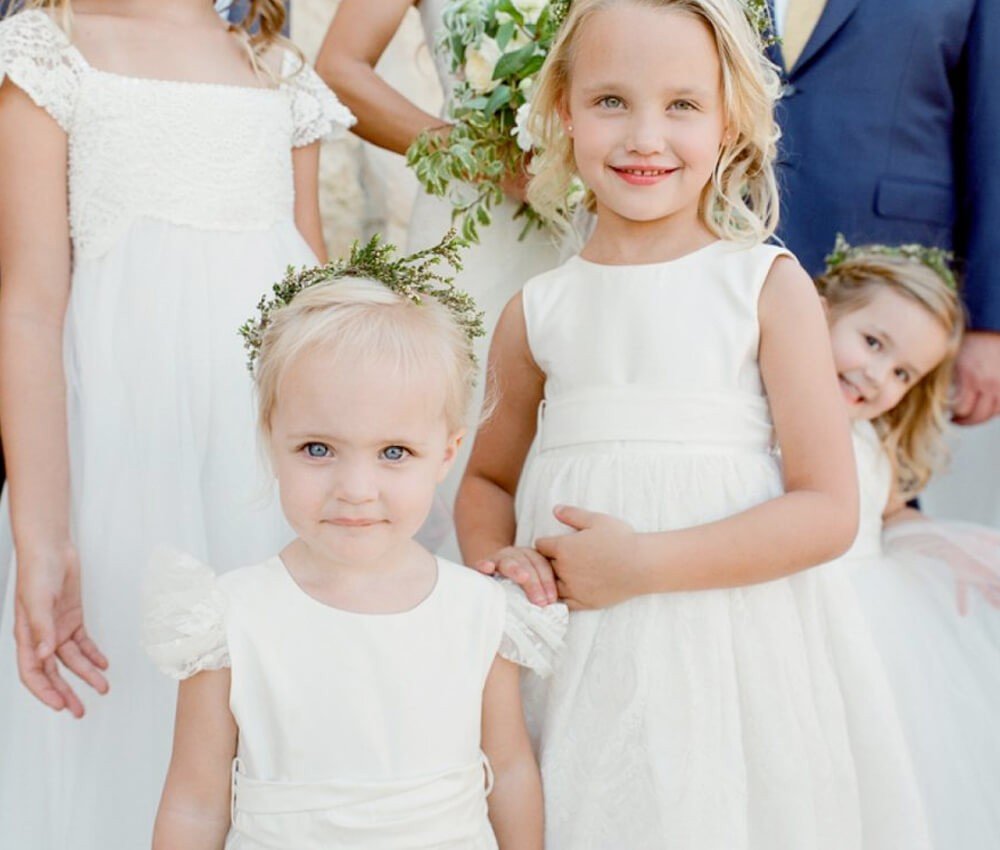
594	564
526	568
49	630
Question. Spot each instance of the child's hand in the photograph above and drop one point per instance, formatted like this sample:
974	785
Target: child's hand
524	567
594	565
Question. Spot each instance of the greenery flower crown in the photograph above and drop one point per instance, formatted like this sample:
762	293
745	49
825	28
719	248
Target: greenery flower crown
413	276
936	259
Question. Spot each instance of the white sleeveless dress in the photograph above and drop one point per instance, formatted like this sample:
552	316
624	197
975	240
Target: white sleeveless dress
355	730
493	271
181	212
757	718
943	664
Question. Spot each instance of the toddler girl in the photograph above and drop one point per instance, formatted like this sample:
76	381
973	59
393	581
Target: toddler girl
716	694
356	679
930	590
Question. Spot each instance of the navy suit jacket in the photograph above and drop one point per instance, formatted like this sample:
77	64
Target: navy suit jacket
891	133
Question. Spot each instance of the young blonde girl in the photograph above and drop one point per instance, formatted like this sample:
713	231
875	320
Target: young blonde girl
713	692
930	590
159	173
356	679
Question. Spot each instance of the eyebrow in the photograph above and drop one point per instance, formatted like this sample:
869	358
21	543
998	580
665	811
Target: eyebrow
608	85
313	437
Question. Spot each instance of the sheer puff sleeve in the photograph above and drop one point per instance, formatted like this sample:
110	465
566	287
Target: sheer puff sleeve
183	623
316	112
37	57
532	635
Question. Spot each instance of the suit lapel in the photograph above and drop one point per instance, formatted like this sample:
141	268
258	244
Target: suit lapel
835	15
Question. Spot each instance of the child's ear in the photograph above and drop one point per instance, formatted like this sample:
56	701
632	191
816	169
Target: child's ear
450	453
565	116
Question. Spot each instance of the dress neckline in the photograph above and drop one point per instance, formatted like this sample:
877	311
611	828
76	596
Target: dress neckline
84	63
308	598
658	264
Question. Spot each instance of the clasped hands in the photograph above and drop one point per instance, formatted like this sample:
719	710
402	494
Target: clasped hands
592	566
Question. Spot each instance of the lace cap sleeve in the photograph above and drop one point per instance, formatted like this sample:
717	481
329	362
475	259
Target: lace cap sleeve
316	112
532	635
37	57
183	623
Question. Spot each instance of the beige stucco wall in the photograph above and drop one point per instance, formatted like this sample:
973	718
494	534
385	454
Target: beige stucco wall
365	190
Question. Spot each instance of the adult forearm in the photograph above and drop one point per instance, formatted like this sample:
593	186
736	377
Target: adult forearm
484	518
772	540
33	421
385	117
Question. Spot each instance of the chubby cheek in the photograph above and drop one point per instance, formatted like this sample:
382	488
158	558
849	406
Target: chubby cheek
303	497
409	499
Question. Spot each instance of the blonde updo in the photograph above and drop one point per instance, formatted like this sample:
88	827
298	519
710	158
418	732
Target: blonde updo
913	431
364	321
740	202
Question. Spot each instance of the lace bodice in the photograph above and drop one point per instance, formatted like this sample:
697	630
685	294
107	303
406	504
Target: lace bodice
203	155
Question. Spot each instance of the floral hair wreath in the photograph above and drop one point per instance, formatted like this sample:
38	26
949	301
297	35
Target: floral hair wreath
413	276
938	260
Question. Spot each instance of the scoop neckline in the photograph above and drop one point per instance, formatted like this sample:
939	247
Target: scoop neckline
432	594
655	265
91	69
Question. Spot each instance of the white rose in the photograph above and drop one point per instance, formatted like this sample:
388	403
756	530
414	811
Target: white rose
480	61
525	139
576	193
530	9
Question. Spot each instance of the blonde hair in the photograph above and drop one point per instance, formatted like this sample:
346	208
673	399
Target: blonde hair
260	26
913	431
366	321
740	202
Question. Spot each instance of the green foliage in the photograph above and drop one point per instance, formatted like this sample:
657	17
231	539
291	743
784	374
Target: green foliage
413	276
936	259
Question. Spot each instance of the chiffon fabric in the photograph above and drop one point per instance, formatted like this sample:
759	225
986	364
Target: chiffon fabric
355	730
753	718
181	212
930	592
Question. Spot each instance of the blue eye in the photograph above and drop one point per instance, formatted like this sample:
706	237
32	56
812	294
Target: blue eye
611	102
317	450
682	105
394	453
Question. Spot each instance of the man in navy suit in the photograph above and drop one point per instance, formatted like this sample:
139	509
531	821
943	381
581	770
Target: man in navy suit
891	133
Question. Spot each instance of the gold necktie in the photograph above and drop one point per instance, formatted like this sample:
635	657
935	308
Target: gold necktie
800	21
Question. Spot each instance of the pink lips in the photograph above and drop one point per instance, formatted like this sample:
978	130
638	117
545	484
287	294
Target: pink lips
638	175
348	522
851	392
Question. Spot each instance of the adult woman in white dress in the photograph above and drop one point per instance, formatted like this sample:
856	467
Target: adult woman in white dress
495	268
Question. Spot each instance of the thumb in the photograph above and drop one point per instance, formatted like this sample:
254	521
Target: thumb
574	517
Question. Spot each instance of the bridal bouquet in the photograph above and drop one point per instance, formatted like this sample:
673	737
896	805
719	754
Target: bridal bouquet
495	48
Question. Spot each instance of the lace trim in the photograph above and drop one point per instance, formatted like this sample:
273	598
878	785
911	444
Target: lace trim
532	636
183	623
37	57
316	112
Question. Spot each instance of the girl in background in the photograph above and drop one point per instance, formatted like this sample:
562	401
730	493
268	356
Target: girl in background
159	175
713	691
930	590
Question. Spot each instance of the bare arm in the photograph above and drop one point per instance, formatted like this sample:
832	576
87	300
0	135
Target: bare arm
357	37
305	170
194	808
484	507
813	521
35	258
516	802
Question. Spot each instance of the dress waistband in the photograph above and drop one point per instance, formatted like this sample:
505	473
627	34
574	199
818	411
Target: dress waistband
432	811
716	421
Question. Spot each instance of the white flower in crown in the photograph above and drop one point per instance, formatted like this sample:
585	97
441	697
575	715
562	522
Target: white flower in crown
525	139
530	9
480	62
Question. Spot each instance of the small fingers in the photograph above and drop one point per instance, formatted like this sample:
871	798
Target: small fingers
487	567
72	655
520	569
546	577
51	669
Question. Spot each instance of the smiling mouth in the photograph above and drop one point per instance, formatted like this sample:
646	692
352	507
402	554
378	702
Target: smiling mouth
853	394
642	176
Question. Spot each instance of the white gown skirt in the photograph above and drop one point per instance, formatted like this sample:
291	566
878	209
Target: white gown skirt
161	424
757	718
944	667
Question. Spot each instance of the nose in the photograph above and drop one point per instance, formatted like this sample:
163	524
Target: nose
876	371
356	483
647	133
